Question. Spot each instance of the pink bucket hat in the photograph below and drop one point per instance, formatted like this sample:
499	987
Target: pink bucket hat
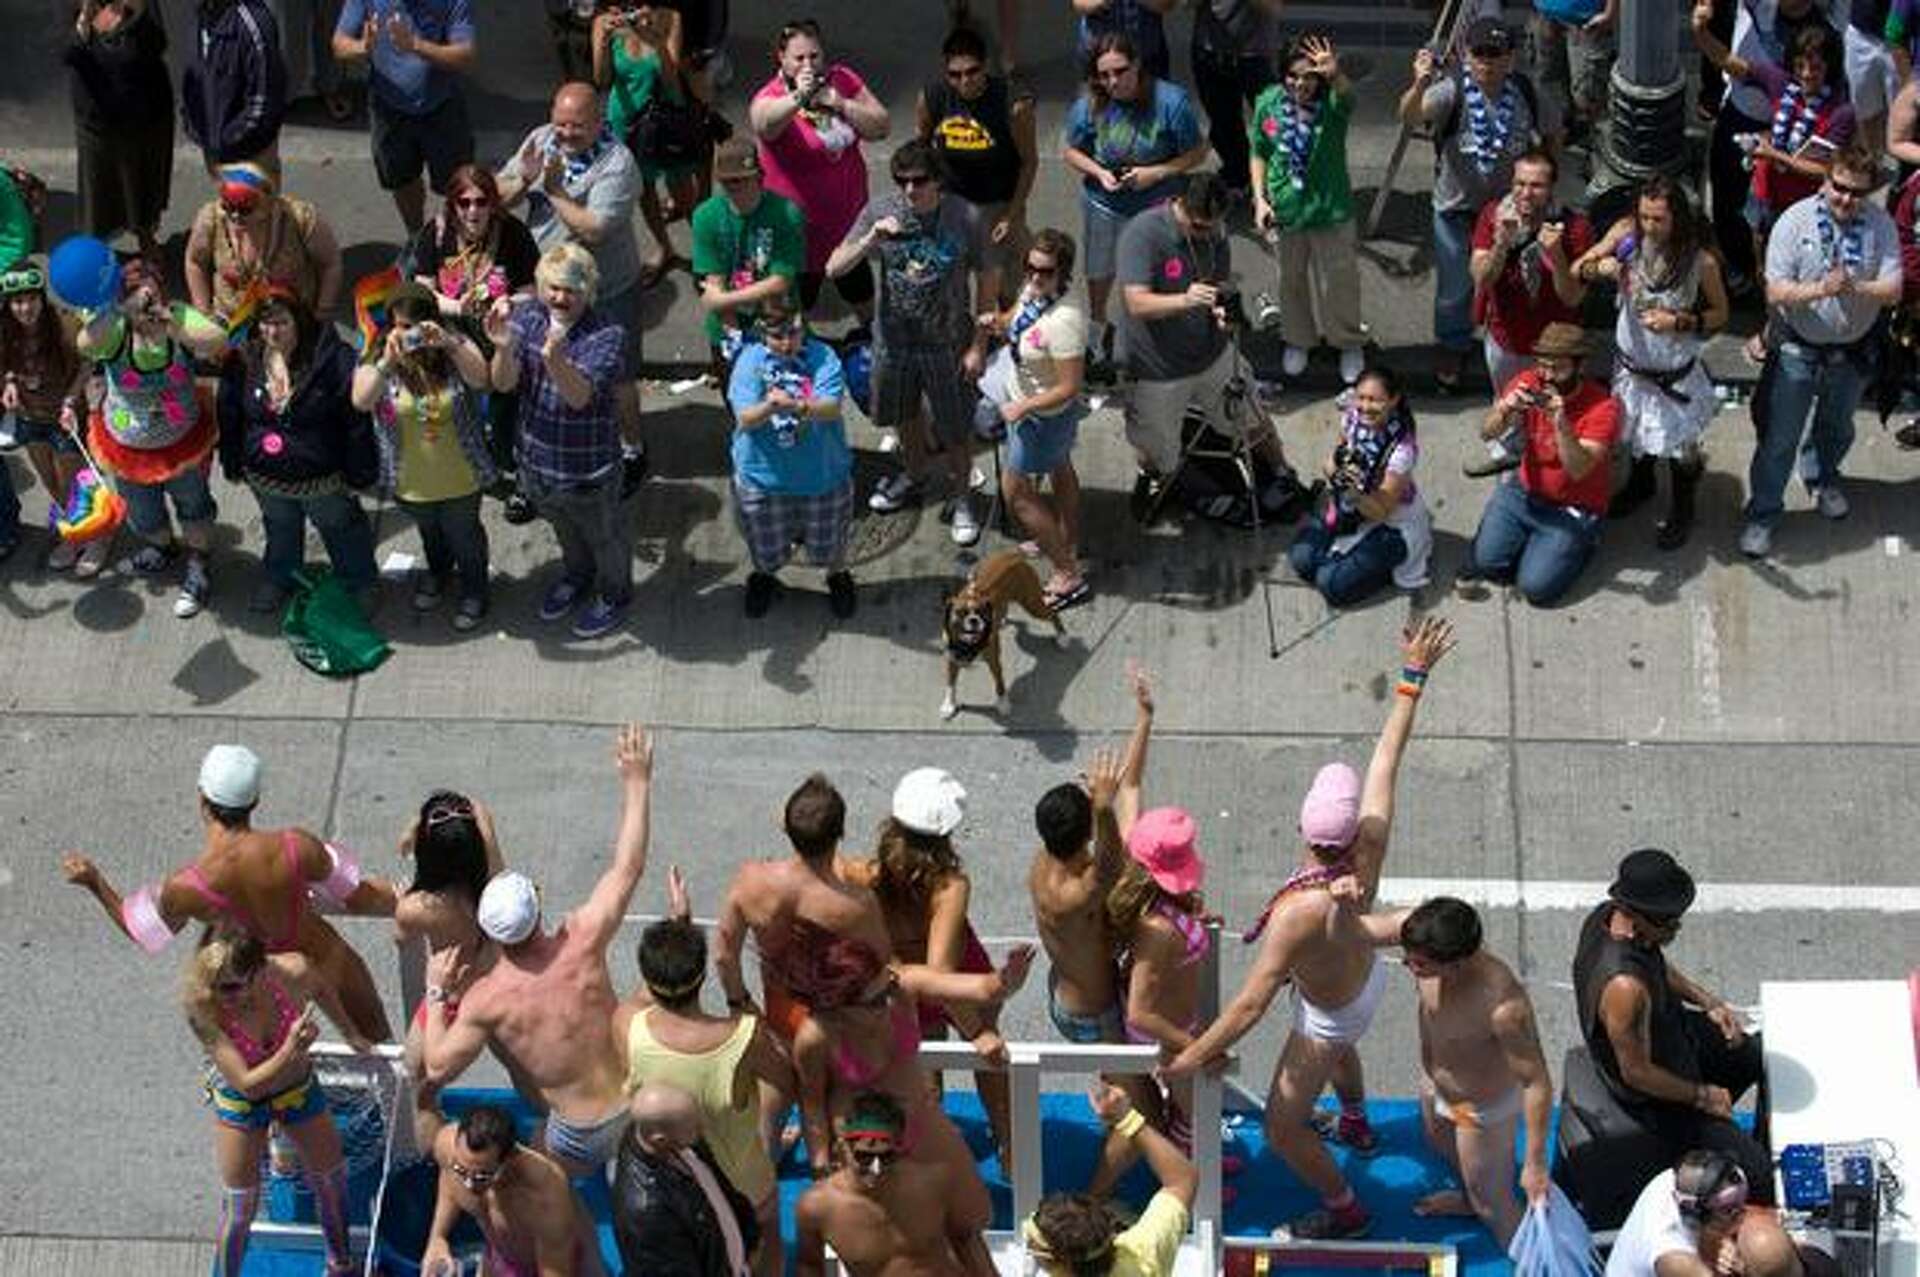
1331	813
1161	842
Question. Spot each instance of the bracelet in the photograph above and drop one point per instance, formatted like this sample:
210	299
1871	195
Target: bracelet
1129	1126
437	995
1413	681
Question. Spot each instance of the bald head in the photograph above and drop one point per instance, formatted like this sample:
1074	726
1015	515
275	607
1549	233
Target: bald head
665	1119
575	116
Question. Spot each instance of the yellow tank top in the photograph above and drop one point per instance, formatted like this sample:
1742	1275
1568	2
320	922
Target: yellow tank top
732	1130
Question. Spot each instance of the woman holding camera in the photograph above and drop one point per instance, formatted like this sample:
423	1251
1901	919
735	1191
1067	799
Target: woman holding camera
1371	527
425	396
637	63
289	431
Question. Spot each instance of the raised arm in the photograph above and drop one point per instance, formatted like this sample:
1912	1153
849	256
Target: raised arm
449	1045
1169	1165
1730	63
730	941
1423	643
1412	101
150	917
1126	801
1109	849
599	918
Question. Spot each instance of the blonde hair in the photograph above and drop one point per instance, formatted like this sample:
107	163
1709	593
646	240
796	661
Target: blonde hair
569	266
221	955
1133	895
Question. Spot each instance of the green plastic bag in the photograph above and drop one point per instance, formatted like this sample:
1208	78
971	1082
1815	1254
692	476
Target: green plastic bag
328	631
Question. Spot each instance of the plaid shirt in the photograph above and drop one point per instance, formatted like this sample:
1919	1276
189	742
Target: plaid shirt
558	443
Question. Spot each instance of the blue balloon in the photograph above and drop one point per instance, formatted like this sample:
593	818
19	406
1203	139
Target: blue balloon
83	273
856	365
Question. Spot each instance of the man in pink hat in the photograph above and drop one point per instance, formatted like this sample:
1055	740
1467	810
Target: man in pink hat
1314	936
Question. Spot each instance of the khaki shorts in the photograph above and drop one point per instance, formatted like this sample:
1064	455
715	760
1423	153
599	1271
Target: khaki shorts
1156	409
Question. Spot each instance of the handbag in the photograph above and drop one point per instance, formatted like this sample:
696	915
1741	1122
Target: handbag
327	630
669	134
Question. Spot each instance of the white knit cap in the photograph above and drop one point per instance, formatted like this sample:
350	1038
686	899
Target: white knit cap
230	776
509	907
928	800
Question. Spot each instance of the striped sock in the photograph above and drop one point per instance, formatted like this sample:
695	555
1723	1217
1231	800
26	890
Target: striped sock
237	1208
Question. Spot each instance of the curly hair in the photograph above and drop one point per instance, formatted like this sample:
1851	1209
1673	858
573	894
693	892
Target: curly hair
913	866
222	955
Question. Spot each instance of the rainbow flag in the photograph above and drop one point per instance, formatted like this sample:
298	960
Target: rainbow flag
92	509
246	312
370	297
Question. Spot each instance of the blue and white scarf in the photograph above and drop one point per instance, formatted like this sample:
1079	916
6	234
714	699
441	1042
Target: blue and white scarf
1843	243
1795	116
574	165
1296	134
1032	306
1489	131
789	375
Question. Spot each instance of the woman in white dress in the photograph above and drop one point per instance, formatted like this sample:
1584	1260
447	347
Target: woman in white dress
1672	298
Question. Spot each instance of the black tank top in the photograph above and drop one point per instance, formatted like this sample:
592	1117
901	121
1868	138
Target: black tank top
975	140
1597	959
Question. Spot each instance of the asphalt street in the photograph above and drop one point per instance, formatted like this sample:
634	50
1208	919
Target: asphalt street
1747	717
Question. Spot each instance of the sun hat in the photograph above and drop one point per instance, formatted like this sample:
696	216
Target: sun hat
230	776
928	800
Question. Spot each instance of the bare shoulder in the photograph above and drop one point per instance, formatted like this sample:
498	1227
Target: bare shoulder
859	872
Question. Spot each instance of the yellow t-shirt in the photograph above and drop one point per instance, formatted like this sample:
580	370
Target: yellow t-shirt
732	1129
432	466
1148	1248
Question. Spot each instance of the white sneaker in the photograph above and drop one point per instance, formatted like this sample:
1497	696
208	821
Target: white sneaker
977	480
63	556
1293	360
889	441
94	556
1353	362
893	493
1755	540
966	525
1831	501
194	588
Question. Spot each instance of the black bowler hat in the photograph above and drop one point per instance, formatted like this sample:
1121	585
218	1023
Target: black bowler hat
1653	884
1489	36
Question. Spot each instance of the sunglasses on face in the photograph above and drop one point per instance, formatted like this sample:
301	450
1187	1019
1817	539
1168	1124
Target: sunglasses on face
907	181
473	201
1844	188
1040	271
473	1179
233	210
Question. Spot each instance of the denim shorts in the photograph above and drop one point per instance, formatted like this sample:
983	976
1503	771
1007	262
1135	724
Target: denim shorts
1041	445
30	434
1102	237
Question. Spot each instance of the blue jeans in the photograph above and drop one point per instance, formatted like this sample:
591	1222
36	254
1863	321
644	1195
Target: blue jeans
147	503
1345	579
343	527
1539	546
1830	383
1452	280
454	540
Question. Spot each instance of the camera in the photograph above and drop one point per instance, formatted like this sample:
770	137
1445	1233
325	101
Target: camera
412	339
1266	312
1121	172
1228	299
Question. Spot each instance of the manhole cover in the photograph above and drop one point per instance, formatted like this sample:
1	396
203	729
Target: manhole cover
875	535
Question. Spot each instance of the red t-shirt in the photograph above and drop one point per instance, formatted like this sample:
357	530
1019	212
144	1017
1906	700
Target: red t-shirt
1594	415
1514	317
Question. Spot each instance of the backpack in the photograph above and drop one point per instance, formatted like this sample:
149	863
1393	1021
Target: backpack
1451	124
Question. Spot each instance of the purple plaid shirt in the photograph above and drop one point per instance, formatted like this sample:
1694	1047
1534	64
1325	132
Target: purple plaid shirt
557	443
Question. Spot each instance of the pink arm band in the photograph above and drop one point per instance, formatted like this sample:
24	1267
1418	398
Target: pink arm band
140	914
339	884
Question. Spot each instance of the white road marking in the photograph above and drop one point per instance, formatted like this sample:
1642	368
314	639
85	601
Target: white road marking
1706	659
1714	897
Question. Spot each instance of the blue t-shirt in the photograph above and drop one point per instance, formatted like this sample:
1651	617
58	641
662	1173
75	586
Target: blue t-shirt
406	82
794	458
1128	136
1572	12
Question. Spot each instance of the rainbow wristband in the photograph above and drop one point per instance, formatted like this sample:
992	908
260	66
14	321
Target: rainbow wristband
1413	681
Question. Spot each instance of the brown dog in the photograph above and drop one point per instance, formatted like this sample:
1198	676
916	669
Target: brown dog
971	617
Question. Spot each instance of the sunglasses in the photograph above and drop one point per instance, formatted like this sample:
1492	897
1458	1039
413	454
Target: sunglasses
1036	269
473	201
907	181
452	809
475	1180
1843	188
238	210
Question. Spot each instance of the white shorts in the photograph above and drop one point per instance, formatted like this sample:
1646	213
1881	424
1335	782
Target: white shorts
1474	1115
1348	1023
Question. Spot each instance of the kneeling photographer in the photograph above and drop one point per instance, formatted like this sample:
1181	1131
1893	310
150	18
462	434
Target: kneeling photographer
1182	316
1370	525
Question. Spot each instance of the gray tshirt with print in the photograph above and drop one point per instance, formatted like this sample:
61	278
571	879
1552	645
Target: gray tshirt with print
924	298
1156	253
1465	179
1801	249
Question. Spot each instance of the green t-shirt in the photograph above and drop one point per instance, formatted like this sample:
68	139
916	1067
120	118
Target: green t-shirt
1323	197
16	222
771	240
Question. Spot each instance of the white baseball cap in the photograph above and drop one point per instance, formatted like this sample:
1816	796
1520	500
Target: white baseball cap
509	907
928	800
230	776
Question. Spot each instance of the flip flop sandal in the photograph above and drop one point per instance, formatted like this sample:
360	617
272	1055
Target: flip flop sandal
1073	596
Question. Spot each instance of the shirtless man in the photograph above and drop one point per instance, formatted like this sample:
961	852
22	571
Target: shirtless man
1080	858
549	998
1319	943
518	1197
887	1215
260	881
1480	1054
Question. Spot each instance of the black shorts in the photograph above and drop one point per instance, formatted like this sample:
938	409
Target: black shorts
439	142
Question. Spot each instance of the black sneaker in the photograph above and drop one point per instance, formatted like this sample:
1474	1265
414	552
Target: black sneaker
840	596
760	594
1331	1225
1282	499
519	509
1140	503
